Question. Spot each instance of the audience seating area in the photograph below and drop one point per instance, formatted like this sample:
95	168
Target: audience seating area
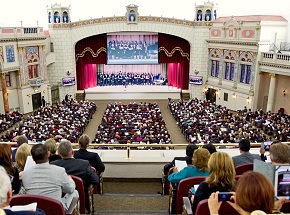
204	122
133	123
8	120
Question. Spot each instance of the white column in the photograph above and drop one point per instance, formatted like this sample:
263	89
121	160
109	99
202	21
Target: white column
271	94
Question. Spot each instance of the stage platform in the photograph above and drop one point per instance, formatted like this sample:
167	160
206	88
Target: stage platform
132	92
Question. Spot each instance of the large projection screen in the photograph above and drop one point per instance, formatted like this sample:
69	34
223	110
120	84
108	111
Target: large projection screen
132	48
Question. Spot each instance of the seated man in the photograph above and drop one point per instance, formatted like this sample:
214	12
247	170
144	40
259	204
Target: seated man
92	157
77	167
48	180
245	156
6	196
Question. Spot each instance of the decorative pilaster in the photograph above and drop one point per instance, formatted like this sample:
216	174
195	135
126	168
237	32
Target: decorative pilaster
4	93
271	94
221	65
252	82
236	75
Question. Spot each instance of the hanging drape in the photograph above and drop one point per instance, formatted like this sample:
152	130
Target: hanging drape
175	50
91	50
89	76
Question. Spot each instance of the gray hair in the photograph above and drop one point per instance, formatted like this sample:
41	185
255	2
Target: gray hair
65	149
5	185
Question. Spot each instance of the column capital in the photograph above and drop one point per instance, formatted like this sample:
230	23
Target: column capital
2	75
273	75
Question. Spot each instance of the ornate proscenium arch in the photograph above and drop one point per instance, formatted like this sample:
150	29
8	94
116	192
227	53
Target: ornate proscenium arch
173	51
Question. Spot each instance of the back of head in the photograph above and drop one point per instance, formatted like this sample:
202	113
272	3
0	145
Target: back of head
210	147
190	148
65	149
21	139
5	156
39	153
255	192
5	185
51	145
222	170
200	159
84	141
21	155
244	145
280	153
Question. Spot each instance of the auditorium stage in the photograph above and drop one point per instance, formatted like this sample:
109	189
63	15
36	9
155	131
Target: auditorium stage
132	92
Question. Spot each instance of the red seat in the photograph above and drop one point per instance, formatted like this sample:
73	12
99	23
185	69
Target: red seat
49	205
286	207
244	168
81	189
225	209
182	191
98	189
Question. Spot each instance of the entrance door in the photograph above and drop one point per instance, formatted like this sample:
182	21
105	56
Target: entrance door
54	95
212	95
36	101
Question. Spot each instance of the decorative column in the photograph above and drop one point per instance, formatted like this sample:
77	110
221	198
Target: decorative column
271	94
236	75
49	100
5	93
253	81
221	66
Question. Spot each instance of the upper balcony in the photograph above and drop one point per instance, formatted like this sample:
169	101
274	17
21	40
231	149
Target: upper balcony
21	32
275	62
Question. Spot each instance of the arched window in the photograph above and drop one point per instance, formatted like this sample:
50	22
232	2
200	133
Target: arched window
199	15
207	15
49	17
56	17
65	17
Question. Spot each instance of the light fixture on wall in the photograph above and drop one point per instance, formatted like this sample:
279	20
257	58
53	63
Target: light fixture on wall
43	91
248	100
36	90
234	96
28	95
284	92
68	73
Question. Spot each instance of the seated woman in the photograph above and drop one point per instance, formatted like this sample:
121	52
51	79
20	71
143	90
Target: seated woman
254	192
21	156
199	168
221	178
52	148
6	162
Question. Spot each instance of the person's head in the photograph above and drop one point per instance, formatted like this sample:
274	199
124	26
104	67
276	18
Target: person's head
51	146
190	149
21	139
5	157
244	145
39	153
200	159
84	141
65	149
5	188
21	155
280	153
255	192
222	170
210	147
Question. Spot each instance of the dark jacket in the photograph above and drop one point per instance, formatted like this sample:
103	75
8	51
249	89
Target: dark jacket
92	157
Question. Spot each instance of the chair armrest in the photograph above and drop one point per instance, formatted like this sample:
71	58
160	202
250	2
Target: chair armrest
72	206
187	206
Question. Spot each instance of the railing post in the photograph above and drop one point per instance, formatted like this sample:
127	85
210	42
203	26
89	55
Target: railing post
128	150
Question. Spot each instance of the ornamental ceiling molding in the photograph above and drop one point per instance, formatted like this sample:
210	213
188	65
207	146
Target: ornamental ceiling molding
170	54
275	65
22	39
233	42
88	49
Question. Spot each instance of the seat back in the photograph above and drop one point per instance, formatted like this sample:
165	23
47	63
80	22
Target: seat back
285	207
225	209
81	190
182	190
244	168
166	183
49	205
98	189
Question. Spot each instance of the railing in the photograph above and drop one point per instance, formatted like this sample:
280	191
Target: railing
129	146
275	58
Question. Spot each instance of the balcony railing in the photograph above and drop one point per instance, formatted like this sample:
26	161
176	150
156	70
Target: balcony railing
275	58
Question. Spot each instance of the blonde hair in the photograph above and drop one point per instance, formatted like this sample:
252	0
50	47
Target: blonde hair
200	159
22	153
222	170
51	146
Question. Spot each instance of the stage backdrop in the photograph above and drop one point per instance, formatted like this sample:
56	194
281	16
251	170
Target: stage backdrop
173	51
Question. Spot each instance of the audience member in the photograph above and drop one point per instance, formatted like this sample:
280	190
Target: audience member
6	196
188	158
280	153
21	156
92	157
254	192
6	162
221	178
78	167
48	180
210	147
20	140
52	148
245	156
199	167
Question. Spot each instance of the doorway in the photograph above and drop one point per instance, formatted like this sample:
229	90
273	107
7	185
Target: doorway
36	101
54	95
211	95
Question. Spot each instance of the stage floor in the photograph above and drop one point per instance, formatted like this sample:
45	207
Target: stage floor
132	92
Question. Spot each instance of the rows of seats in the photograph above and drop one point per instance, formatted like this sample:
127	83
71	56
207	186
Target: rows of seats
9	119
204	122
134	123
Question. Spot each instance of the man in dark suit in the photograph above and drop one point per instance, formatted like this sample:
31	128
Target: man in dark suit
77	167
188	158
92	157
6	196
245	156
